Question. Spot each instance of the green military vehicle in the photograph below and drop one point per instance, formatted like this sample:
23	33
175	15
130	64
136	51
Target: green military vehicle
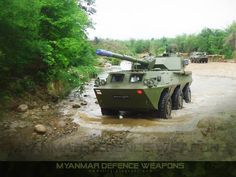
153	85
199	57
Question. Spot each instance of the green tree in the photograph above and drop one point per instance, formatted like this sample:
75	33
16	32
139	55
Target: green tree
41	39
230	40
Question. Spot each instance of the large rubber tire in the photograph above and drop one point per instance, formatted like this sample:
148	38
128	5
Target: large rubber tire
108	112
187	94
165	106
177	99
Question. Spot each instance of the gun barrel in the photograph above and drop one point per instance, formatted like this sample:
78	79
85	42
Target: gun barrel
119	56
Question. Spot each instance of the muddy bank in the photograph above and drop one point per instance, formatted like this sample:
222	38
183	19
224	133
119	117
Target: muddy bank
76	130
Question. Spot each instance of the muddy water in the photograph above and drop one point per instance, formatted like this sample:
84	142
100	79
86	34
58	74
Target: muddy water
213	93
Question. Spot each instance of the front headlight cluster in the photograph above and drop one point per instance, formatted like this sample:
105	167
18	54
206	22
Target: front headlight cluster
99	82
149	82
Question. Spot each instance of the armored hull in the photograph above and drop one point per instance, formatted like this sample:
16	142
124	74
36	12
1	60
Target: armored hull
199	57
160	88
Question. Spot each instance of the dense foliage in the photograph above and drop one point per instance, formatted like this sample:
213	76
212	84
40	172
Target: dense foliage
212	41
42	41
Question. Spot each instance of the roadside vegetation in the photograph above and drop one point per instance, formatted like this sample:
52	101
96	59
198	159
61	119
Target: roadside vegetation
44	46
212	41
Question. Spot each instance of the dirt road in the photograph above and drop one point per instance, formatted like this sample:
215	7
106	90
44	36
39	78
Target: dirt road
203	130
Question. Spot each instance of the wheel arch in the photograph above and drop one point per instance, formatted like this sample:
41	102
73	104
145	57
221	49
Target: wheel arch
176	87
165	90
186	85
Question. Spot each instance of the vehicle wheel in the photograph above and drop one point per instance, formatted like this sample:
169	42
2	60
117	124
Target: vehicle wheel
108	112
187	94
165	106
177	99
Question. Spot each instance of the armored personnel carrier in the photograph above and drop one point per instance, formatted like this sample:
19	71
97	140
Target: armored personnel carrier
155	84
199	57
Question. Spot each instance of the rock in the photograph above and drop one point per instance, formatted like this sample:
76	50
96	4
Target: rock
22	126
61	124
83	103
40	129
71	100
34	134
23	108
76	106
45	107
34	104
102	149
85	95
91	147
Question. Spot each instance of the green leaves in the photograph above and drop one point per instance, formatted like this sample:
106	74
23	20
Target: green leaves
41	38
212	41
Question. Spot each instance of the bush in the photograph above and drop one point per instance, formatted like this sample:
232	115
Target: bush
65	81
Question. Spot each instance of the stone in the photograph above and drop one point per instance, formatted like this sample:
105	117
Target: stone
61	124
23	108
45	107
76	106
34	134
40	129
83	103
102	149
34	104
